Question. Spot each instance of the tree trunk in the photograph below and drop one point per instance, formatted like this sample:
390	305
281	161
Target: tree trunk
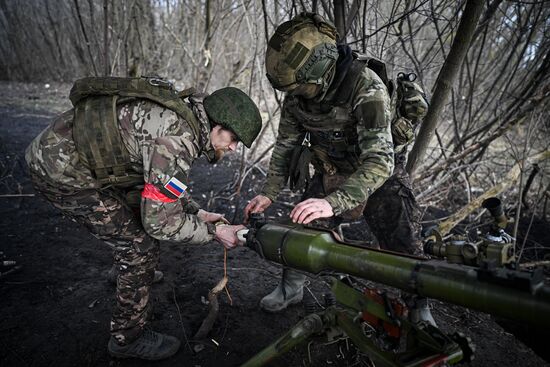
106	61
445	81
340	20
510	179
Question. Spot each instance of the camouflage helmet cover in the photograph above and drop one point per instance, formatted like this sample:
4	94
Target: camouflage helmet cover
234	110
302	50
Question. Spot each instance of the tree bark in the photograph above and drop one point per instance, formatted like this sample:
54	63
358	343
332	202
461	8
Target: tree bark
340	20
106	61
88	45
445	81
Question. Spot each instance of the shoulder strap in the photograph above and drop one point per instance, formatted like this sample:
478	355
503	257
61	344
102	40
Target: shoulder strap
99	143
155	89
96	134
347	85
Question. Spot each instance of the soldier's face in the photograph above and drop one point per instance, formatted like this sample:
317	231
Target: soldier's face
222	140
307	91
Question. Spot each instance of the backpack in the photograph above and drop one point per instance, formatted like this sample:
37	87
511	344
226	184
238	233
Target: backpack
409	102
411	106
96	133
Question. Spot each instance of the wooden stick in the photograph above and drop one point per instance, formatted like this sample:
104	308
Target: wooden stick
17	195
208	322
445	227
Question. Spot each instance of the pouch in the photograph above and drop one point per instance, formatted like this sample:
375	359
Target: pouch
299	177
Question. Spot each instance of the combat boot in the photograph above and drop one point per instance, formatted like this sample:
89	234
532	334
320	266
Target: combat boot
150	345
421	312
289	291
113	273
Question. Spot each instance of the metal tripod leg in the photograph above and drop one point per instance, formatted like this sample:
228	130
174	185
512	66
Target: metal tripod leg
307	327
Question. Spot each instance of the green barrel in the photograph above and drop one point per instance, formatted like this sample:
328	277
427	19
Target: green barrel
511	294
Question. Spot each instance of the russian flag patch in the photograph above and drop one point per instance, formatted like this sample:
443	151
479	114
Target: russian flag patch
176	187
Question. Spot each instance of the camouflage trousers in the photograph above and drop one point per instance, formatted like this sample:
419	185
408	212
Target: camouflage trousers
392	213
108	216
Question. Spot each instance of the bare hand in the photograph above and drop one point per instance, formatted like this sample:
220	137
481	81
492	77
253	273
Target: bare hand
311	209
210	217
227	235
256	205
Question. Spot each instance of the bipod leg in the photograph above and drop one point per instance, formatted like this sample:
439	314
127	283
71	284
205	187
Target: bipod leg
300	333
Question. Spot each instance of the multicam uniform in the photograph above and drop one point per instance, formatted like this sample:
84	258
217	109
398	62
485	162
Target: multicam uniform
353	156
162	146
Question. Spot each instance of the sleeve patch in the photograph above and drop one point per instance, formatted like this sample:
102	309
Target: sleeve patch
175	187
372	114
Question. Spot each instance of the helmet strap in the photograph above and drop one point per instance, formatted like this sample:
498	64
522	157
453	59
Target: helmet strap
326	83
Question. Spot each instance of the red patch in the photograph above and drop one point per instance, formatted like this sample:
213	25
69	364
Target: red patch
153	193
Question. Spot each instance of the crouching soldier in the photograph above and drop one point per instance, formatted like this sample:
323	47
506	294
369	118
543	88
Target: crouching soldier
338	115
118	163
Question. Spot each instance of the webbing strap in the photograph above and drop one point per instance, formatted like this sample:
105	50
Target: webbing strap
156	90
99	142
97	136
347	85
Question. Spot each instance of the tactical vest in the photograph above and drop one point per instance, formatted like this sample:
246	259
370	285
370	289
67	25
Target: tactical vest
332	127
96	132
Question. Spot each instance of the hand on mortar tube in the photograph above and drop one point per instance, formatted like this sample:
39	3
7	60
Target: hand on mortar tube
226	234
257	205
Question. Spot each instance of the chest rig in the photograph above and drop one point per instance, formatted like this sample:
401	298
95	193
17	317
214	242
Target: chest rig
95	130
330	125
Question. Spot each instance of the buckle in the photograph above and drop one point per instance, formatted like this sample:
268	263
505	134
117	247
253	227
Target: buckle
159	82
307	139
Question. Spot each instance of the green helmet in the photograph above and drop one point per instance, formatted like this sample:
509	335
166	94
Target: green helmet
234	110
302	50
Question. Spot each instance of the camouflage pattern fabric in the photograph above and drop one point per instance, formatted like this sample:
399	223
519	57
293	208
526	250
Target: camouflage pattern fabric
392	213
370	115
161	145
108	217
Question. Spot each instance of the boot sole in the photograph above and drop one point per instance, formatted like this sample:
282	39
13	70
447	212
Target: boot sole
122	355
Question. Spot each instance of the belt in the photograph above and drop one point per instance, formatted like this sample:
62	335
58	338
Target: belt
340	138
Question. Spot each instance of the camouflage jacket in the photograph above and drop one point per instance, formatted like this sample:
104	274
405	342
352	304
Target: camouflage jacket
161	146
368	113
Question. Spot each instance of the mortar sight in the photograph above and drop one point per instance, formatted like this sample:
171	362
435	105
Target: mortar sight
256	220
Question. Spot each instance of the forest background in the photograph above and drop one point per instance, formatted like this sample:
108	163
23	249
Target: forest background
490	133
486	136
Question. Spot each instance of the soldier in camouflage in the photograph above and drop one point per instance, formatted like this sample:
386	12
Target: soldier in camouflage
337	113
133	216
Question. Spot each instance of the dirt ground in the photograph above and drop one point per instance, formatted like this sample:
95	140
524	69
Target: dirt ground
56	310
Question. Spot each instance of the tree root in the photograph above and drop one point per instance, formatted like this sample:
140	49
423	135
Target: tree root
208	322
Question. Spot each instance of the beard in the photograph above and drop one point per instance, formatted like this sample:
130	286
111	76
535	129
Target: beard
218	155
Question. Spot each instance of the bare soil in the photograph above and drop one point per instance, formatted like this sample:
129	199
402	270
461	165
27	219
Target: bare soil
56	310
